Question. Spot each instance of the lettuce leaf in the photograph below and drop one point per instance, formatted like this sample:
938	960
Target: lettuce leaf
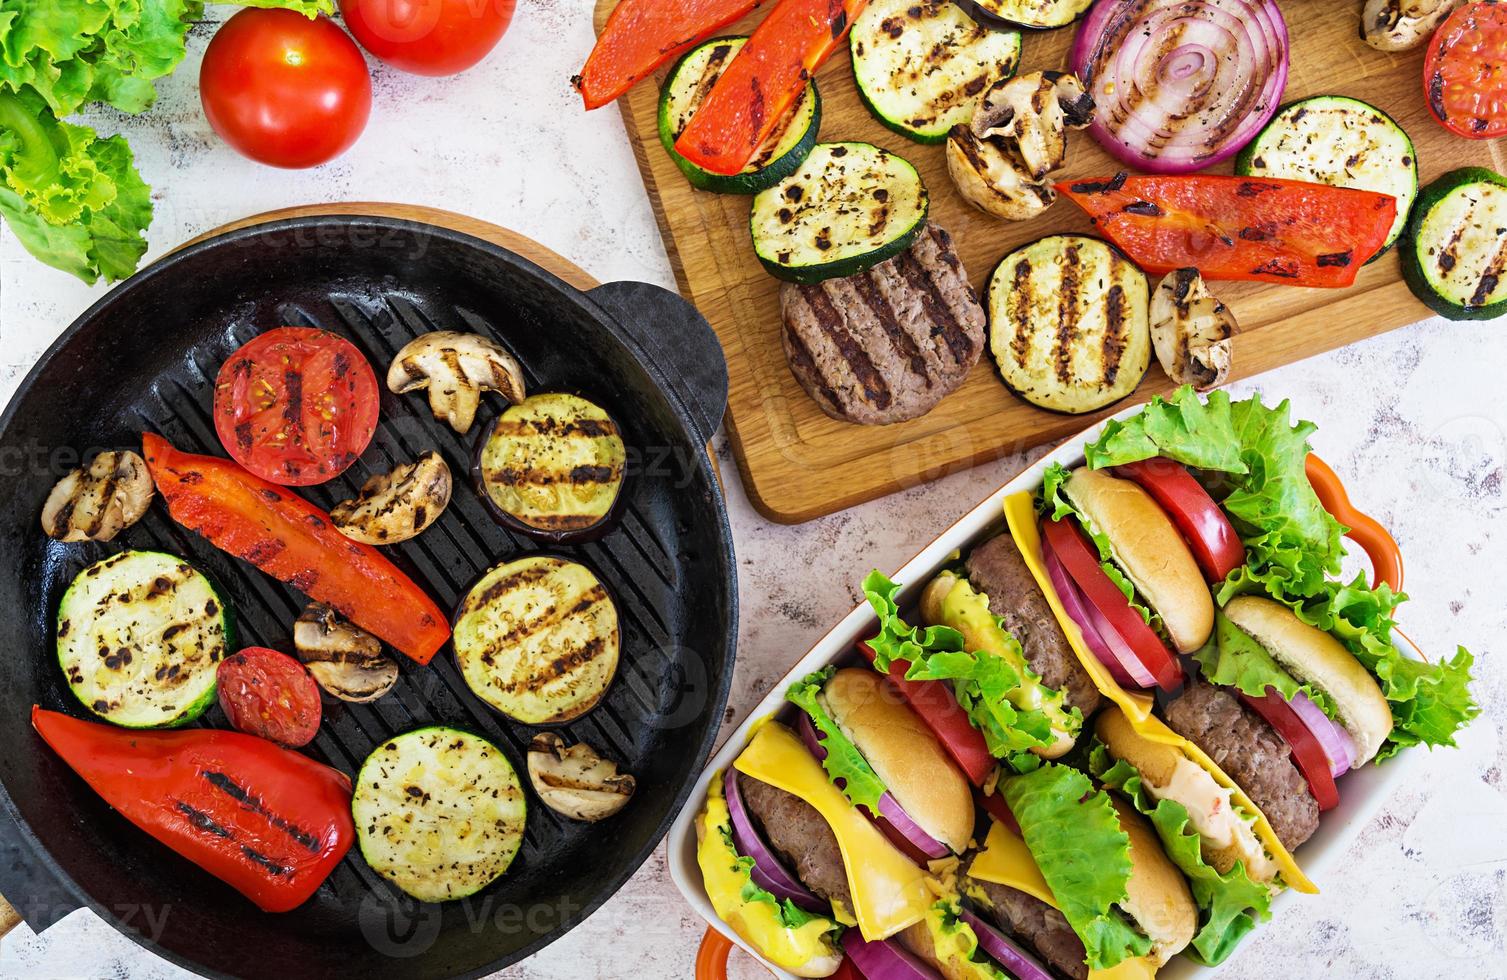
1075	836
1233	658
843	762
1193	432
1230	904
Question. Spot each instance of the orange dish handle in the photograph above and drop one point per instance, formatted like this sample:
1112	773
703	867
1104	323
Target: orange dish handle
1375	541
711	958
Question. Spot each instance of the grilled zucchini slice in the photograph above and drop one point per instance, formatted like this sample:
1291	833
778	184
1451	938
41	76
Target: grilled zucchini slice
684	91
1036	14
1068	323
552	466
439	812
849	207
538	639
1342	142
140	636
1454	254
921	66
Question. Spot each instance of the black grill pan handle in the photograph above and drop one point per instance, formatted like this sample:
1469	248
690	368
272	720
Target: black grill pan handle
677	343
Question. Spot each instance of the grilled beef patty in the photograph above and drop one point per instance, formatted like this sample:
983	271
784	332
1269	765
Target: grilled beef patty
1042	927
996	569
1242	744
801	837
887	344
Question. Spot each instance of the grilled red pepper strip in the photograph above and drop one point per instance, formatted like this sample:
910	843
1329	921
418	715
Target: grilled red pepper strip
641	35
1286	231
939	709
268	822
293	541
758	88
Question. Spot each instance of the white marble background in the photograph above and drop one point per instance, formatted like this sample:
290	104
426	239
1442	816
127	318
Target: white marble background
1414	420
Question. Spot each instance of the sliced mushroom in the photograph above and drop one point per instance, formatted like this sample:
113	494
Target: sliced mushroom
396	506
346	661
1400	25
97	502
456	368
1018	136
1191	330
575	781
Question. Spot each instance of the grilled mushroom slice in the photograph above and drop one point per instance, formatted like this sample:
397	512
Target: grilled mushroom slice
1018	136
396	506
1191	330
575	781
456	368
1400	25
346	661
97	502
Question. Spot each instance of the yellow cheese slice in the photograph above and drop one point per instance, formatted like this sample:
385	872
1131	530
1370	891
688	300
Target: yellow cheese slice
1005	860
888	889
1140	968
1020	514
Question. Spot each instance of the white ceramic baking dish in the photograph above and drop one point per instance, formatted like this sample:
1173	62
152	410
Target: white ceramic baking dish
1364	790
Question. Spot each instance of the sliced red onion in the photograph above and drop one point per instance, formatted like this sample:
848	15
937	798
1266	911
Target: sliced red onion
1179	85
1010	956
1334	740
768	871
883	959
1107	644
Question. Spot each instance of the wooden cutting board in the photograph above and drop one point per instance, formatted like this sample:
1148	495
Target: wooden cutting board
798	464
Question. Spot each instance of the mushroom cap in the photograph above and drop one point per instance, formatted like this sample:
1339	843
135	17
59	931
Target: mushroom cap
399	505
576	782
1191	331
97	502
346	661
456	368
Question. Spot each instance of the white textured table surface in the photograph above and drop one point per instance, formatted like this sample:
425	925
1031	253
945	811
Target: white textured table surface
1415	421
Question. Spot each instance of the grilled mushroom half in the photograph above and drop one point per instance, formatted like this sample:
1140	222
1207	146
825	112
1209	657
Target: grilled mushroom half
1400	25
1191	330
456	368
346	661
97	502
1018	136
396	506
575	781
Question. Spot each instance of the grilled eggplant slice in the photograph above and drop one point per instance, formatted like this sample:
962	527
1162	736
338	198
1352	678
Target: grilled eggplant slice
1454	254
921	65
537	639
552	467
140	636
1067	323
1036	14
439	812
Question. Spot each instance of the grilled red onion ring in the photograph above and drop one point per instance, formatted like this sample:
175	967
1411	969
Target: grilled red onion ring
1179	85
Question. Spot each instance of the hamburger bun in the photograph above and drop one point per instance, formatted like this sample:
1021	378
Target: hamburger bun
1314	657
1150	550
1157	897
903	753
917	940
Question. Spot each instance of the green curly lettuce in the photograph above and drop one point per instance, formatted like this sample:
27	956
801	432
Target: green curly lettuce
1234	658
1230	904
843	761
1075	836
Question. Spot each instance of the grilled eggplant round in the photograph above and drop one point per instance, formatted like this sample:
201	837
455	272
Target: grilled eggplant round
538	639
552	467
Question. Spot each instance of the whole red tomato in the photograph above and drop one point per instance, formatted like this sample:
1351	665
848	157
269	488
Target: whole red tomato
283	89
428	37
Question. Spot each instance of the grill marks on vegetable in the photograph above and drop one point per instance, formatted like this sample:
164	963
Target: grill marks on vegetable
261	834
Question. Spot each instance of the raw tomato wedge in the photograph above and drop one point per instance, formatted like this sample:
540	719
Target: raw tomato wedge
270	695
1307	753
1210	535
1465	72
939	709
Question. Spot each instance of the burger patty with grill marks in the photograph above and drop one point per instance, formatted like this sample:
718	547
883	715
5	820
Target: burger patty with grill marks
801	837
1251	753
886	345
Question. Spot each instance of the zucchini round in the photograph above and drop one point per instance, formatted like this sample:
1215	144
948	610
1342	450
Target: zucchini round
1330	139
439	812
1035	14
140	636
538	639
684	91
849	207
1454	253
1068	323
921	66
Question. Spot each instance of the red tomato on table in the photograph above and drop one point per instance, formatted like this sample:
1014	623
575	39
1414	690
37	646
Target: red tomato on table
1465	72
283	89
296	405
270	695
428	37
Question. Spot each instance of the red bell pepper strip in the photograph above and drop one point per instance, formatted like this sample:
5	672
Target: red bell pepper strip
293	541
759	86
1268	230
268	822
934	702
641	35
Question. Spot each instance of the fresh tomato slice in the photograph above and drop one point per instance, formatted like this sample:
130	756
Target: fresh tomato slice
270	695
934	702
1210	535
1307	753
1465	72
296	406
1082	563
